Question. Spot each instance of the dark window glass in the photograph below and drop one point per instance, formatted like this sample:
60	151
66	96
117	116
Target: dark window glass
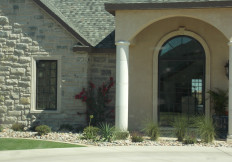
46	85
181	79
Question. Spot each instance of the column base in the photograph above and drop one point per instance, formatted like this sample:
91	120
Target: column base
229	139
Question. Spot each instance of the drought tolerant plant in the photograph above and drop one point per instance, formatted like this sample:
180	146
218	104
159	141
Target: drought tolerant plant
205	128
96	100
17	127
219	98
180	125
119	135
152	130
42	130
107	132
136	137
91	133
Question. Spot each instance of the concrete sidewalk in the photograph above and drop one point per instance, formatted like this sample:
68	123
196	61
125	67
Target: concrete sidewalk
121	154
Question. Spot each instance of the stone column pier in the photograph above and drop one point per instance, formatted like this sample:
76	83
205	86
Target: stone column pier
229	137
122	87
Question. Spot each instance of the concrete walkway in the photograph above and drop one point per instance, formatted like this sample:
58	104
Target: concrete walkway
120	154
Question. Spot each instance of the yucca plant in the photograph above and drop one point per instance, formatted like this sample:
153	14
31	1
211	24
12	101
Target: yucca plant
106	131
152	130
205	129
180	125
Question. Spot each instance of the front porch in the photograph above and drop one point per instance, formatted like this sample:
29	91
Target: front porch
141	35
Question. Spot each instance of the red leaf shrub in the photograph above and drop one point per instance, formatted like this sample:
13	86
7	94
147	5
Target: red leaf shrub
96	100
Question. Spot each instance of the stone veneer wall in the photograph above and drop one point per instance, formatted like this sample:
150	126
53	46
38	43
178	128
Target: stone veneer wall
27	31
102	66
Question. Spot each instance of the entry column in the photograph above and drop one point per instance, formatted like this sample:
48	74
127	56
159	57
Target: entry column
229	137
122	79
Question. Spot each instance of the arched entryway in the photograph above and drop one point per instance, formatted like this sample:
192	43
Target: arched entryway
181	78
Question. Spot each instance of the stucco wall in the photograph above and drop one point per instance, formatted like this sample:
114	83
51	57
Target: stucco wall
141	62
27	31
137	20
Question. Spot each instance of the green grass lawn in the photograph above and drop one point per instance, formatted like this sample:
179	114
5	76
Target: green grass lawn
24	144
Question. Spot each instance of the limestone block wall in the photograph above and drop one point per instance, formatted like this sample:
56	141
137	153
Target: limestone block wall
27	31
102	66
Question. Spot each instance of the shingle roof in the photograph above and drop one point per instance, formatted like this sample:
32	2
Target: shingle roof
89	19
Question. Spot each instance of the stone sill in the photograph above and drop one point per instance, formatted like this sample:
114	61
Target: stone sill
44	112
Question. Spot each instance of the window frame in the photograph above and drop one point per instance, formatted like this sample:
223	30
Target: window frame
33	83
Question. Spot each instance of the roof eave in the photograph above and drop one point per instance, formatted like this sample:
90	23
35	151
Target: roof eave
112	7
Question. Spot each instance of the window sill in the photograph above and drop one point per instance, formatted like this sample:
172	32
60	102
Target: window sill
45	111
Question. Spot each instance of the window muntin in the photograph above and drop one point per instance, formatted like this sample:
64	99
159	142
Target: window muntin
46	84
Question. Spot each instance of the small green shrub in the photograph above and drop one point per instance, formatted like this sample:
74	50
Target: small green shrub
136	137
43	130
106	131
66	128
152	130
119	135
18	127
1	128
180	125
205	128
91	132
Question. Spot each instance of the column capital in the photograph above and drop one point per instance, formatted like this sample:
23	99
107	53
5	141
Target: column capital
127	43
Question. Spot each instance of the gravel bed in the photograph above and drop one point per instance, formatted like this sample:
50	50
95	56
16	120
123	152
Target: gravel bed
75	138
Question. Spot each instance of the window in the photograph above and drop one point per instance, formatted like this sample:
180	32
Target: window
46	85
181	79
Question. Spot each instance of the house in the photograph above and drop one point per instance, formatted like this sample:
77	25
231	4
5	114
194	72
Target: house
168	55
